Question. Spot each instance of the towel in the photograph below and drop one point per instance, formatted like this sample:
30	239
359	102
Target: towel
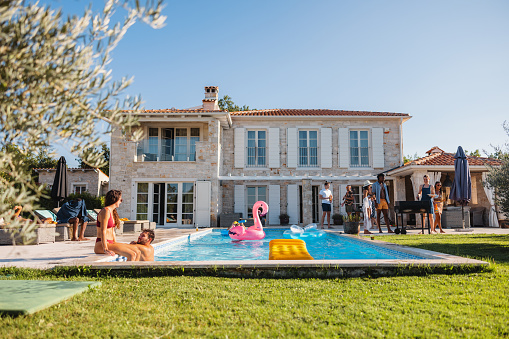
72	209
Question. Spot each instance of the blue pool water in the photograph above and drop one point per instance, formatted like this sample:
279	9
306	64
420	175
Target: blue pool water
214	246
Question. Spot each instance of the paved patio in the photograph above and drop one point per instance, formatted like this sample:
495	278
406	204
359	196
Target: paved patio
75	253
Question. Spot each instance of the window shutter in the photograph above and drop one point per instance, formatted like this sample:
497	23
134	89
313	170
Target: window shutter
293	204
326	147
273	143
203	203
239	147
291	152
274	204
342	192
344	152
377	141
239	198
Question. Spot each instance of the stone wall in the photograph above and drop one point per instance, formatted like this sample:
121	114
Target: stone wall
126	171
95	180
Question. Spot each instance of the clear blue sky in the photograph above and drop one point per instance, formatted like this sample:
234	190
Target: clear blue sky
446	63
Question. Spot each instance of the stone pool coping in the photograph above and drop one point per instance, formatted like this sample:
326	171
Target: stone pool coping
434	262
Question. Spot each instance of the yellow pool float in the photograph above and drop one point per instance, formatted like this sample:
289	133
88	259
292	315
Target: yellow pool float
288	249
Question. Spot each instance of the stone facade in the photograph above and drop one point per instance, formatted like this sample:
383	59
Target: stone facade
91	180
217	162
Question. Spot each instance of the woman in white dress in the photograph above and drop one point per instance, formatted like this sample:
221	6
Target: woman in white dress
366	209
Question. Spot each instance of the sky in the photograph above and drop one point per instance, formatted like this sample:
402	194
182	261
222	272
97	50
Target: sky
443	62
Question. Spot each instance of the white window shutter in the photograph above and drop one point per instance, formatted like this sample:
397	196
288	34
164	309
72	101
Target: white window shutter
377	140
326	147
203	203
291	152
273	143
239	200
274	204
342	192
344	149
239	138
293	204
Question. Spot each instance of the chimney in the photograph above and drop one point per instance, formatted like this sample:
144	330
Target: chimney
210	103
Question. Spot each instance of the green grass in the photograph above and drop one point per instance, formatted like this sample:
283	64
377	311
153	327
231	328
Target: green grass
434	305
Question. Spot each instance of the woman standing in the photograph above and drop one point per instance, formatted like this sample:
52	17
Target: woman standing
366	209
107	220
426	191
438	205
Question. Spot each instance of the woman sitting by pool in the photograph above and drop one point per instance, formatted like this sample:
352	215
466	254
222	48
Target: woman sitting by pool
107	220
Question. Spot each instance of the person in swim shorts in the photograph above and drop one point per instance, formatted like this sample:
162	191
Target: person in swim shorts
382	202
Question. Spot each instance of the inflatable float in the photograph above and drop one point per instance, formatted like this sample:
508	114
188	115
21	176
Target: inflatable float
254	232
310	232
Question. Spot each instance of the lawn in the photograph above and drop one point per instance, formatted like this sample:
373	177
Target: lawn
435	305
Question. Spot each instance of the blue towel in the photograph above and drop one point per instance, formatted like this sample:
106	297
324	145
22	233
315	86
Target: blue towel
72	209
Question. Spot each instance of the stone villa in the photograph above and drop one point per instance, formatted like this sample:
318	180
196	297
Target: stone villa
198	163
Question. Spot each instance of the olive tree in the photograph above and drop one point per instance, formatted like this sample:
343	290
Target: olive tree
55	86
498	178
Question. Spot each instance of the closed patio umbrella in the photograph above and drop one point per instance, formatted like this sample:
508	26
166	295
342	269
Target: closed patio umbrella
59	189
461	189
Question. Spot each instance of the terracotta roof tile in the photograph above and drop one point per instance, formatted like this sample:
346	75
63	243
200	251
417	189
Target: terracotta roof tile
173	110
447	159
312	112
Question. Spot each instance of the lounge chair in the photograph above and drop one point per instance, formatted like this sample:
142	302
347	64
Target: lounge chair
44	233
62	230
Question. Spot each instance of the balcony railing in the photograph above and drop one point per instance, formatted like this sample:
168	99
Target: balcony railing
308	156
163	150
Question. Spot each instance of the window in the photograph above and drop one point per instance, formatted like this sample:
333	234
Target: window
256	148
254	194
79	188
169	144
359	149
142	202
308	148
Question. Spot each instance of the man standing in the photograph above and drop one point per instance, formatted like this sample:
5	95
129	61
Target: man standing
326	196
382	202
144	245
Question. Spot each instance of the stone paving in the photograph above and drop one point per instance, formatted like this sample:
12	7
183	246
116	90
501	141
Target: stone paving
75	253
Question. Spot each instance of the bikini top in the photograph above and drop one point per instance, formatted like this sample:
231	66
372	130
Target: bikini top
111	222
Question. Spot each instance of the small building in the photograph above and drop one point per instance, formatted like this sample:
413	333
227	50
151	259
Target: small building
194	165
79	180
439	165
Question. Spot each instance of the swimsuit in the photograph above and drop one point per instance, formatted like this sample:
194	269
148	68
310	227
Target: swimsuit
111	224
108	240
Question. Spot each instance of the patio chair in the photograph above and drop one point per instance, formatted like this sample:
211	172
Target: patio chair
62	230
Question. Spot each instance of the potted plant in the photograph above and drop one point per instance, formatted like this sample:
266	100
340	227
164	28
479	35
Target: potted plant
352	224
284	219
337	218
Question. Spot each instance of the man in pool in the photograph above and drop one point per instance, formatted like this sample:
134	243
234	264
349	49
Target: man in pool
144	245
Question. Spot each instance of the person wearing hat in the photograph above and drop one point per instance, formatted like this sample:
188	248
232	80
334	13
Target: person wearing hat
366	207
382	202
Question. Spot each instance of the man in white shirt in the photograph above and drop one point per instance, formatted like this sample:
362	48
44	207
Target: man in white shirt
326	196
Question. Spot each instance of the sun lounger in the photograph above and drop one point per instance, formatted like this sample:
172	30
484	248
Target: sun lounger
288	249
44	233
90	231
62	230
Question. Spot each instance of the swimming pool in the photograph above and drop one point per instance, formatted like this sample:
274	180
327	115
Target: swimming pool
217	247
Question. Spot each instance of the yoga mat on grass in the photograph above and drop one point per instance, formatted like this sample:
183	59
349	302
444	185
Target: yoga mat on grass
29	296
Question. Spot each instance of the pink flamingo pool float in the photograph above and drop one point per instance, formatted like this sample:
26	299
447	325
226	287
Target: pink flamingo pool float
254	232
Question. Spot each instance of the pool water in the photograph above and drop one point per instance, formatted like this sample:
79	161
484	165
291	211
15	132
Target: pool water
215	246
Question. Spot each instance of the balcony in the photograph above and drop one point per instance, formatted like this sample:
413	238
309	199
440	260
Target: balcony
164	150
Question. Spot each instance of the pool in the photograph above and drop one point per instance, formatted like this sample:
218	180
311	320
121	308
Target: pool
213	246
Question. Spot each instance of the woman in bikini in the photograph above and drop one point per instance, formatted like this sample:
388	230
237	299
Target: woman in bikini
107	220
